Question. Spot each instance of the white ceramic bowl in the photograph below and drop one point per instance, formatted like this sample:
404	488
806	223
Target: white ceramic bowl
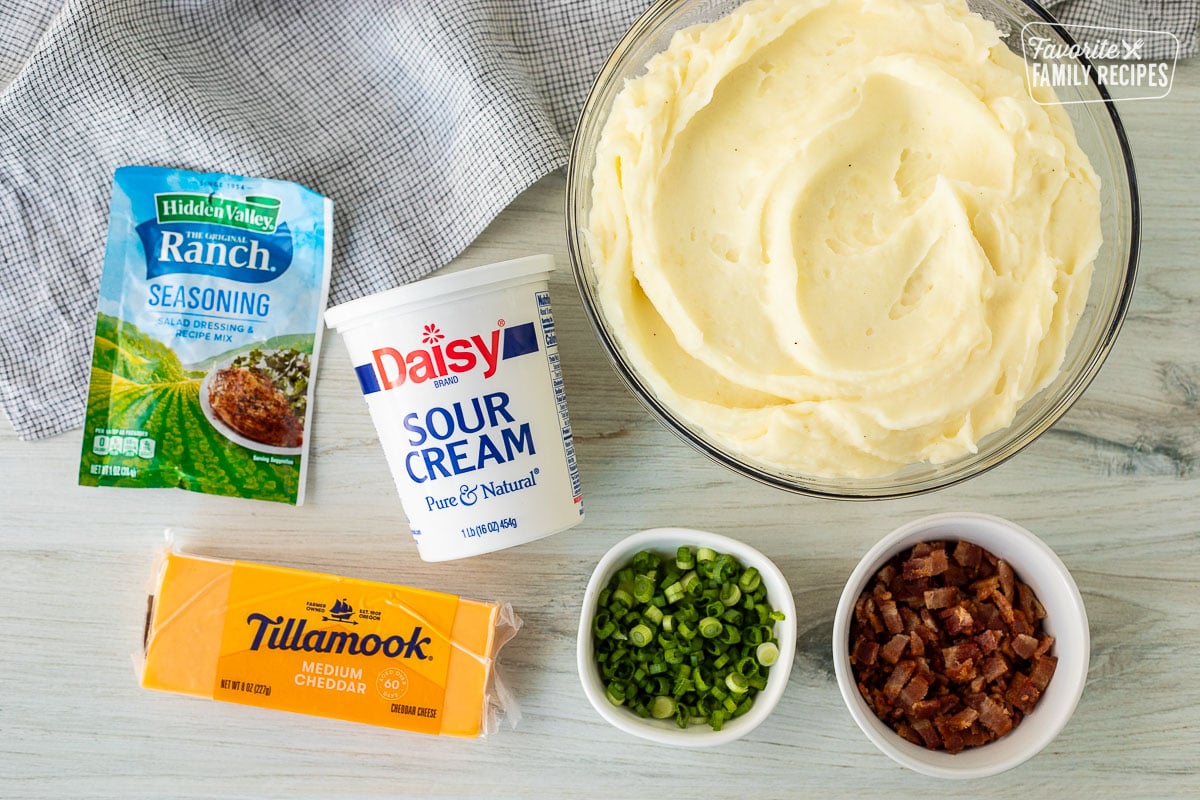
667	541
1066	620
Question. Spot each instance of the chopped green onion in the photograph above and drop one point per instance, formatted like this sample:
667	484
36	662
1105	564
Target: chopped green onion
747	667
683	558
690	582
710	627
603	626
730	594
674	592
767	653
736	683
750	580
687	636
663	707
640	635
643	589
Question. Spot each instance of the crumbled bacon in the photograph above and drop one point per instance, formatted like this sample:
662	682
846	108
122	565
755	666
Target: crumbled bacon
941	598
957	620
988	641
993	668
864	613
913	691
1043	671
926	709
952	740
1022	693
891	616
865	652
959	657
995	717
928	733
1005	573
899	676
963	719
926	566
968	554
908	732
1020	623
1002	605
1024	645
982	589
895	648
1029	604
949	650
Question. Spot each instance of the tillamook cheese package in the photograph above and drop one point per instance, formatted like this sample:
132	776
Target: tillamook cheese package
325	645
207	334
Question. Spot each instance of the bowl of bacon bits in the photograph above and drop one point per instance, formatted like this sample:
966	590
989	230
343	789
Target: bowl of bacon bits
961	645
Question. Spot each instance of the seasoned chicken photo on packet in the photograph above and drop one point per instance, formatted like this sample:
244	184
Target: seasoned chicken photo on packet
207	334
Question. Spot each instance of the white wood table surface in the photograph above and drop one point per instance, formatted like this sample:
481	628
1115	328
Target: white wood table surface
1114	488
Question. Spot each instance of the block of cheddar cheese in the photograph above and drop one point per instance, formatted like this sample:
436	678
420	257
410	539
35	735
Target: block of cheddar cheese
321	644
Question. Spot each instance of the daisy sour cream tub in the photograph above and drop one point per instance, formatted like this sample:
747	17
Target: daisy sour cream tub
462	376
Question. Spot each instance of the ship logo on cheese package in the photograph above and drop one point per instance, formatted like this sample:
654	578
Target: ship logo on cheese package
462	377
340	611
207	334
266	636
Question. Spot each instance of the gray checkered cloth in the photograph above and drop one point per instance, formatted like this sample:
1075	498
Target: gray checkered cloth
1177	17
421	120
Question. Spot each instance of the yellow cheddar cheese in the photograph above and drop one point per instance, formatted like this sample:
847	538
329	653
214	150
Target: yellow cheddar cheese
325	645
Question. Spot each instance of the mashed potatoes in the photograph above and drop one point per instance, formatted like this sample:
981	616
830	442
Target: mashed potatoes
841	237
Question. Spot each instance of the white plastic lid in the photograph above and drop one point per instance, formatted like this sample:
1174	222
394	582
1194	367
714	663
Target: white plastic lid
439	288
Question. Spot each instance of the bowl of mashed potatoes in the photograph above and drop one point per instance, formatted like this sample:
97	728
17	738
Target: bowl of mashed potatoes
851	248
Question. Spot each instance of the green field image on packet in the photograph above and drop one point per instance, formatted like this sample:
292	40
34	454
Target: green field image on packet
207	334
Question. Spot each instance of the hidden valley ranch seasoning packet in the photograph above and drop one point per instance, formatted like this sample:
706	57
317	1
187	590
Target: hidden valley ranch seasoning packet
207	334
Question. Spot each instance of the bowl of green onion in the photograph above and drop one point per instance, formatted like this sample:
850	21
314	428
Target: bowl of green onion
685	637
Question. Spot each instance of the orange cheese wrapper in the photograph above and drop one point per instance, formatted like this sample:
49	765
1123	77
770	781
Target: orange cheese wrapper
320	644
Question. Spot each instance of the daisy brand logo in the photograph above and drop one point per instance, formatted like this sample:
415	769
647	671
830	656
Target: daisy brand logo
1131	64
432	335
442	359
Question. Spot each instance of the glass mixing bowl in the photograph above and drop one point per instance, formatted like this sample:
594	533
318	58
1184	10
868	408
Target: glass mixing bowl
1099	133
